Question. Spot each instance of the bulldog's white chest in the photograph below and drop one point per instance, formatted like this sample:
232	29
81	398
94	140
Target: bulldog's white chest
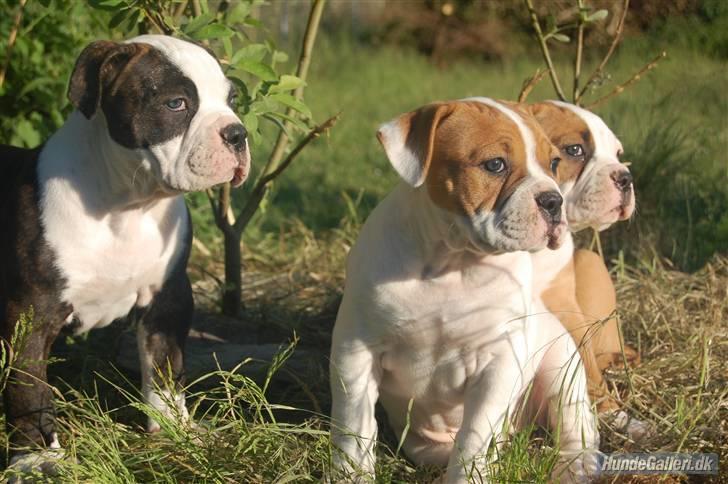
114	261
451	327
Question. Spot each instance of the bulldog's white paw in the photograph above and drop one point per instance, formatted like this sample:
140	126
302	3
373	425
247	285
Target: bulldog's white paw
623	423
576	467
45	462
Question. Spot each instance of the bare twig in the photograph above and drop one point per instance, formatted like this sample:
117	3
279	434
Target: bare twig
579	51
11	39
636	77
615	41
180	9
263	183
545	50
530	83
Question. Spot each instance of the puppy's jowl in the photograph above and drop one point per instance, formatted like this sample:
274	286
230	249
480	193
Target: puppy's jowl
95	227
438	322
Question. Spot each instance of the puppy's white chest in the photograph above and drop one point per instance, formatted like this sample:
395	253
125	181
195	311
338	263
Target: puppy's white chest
115	262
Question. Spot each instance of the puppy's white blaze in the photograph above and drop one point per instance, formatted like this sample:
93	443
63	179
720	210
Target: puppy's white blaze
197	64
526	134
407	164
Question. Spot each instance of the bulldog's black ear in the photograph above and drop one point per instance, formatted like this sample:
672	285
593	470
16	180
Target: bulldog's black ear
97	67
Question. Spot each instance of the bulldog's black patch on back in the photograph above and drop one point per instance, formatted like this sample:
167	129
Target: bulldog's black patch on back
136	104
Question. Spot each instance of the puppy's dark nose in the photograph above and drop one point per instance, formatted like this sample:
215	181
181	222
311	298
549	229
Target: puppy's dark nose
623	180
235	136
550	203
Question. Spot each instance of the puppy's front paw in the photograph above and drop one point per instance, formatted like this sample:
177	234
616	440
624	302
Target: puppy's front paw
23	466
627	425
576	467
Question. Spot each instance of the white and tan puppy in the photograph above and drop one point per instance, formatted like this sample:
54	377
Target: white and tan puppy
434	321
576	285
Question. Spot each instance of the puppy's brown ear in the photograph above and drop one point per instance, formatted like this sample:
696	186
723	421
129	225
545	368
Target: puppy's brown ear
409	141
540	110
97	67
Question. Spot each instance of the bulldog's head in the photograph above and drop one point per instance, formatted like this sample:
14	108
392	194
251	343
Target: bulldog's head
597	186
168	101
479	162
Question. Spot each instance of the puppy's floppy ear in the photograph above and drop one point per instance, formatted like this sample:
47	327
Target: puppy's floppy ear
97	67
539	110
409	141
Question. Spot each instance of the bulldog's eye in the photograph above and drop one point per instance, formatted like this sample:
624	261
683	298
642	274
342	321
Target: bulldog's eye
495	165
555	165
575	150
176	104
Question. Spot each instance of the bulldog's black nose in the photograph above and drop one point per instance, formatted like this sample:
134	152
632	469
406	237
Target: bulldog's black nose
623	180
550	202
234	135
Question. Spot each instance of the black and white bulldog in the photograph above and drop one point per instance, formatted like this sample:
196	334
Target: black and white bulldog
93	225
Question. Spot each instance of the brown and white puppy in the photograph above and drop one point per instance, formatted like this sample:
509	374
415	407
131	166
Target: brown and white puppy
576	287
438	321
93	224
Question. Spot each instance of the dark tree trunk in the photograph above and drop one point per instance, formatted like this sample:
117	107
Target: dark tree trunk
232	292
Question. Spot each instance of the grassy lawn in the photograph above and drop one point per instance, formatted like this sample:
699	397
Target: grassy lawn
273	428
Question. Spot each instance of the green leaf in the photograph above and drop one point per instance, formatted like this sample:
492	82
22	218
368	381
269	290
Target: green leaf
238	13
34	84
26	134
280	56
561	38
254	52
250	121
258	69
227	45
118	18
287	83
197	23
254	22
213	31
106	4
294	121
598	15
292	102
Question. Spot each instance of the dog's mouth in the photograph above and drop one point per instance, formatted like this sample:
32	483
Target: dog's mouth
554	235
240	173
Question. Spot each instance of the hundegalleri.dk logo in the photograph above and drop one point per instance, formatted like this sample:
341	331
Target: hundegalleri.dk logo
658	463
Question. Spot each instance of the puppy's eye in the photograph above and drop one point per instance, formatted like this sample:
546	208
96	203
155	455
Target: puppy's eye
575	150
495	165
555	165
176	104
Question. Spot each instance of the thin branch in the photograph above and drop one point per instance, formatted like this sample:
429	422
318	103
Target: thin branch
530	83
545	51
615	41
262	185
579	51
636	77
180	9
304	61
11	40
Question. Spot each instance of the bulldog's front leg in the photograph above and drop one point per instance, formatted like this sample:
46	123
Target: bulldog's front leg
490	399
560	385
28	397
161	338
354	375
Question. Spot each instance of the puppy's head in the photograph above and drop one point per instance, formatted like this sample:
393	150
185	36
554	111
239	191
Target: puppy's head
478	162
169	101
596	185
